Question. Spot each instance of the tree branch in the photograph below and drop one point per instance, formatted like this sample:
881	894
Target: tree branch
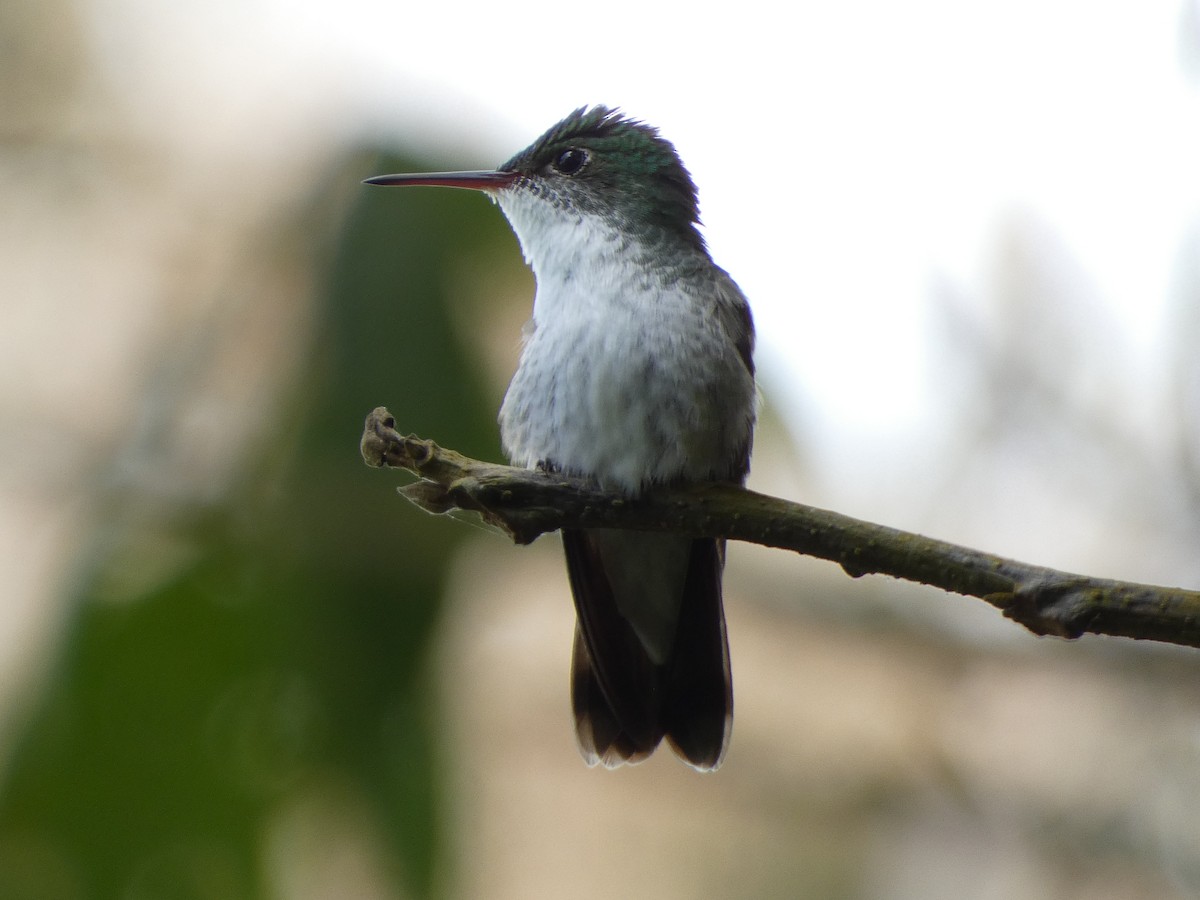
525	504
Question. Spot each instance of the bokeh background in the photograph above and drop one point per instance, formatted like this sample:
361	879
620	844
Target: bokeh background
234	664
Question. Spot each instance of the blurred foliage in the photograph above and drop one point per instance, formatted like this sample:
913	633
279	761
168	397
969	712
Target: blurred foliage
289	653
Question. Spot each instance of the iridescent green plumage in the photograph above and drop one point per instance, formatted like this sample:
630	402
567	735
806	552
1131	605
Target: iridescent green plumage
633	173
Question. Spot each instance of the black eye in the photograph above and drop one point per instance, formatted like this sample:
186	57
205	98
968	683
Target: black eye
570	161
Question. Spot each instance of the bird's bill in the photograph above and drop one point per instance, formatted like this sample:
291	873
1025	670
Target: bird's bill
475	181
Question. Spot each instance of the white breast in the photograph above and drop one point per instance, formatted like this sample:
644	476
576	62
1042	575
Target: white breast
624	376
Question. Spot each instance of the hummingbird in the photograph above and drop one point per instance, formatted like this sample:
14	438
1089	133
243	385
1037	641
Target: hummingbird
636	371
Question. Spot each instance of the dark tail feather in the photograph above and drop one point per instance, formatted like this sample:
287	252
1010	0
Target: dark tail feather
698	703
624	703
614	685
600	736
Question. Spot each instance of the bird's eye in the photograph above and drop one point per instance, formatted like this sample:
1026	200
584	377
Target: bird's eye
570	161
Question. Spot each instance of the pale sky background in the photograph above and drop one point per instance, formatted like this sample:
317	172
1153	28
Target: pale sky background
856	162
897	135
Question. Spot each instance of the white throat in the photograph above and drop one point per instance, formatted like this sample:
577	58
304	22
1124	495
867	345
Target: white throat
582	263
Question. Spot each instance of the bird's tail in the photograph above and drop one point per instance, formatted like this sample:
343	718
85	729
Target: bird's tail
651	657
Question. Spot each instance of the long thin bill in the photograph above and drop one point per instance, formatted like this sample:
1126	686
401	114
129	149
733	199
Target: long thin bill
475	181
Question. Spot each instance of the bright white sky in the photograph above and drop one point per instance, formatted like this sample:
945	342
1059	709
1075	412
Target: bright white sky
849	155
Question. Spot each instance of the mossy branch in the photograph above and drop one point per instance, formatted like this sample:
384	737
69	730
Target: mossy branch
526	504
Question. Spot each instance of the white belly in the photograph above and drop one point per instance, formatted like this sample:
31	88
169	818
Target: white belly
640	391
